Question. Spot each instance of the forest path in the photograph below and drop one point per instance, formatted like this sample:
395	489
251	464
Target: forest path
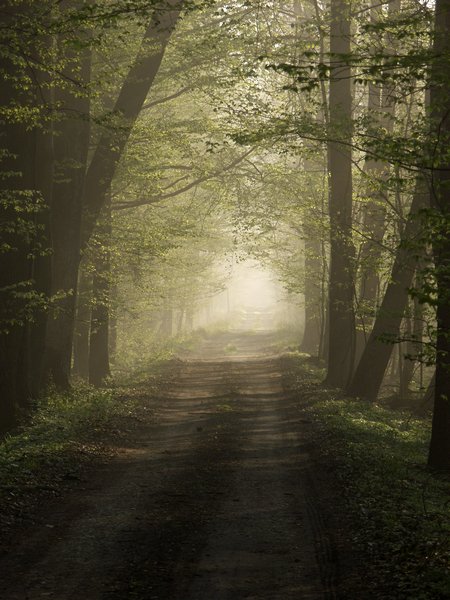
214	500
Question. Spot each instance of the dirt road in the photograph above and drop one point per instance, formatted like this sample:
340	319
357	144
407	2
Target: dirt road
214	500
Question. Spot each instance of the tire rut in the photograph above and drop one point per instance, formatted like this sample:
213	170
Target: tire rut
215	501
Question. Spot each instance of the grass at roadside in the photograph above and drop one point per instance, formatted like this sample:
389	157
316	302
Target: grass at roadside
399	511
161	357
66	433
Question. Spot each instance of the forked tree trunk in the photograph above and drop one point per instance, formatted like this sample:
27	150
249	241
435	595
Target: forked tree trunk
381	108
341	283
95	185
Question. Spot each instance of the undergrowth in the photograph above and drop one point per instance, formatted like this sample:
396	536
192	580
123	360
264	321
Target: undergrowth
399	510
65	432
160	359
68	430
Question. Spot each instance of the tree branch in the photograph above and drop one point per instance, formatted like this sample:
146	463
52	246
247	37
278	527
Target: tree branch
186	188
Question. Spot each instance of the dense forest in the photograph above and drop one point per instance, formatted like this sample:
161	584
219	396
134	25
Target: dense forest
168	167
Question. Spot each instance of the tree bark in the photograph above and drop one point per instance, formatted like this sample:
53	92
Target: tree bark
71	149
341	284
99	369
311	335
370	371
380	108
131	98
413	345
439	453
113	325
22	187
82	326
166	328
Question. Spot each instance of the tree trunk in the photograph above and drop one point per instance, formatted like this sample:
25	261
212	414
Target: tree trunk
311	336
71	148
439	454
113	324
131	98
341	284
21	211
369	373
413	345
99	369
427	402
381	109
189	322
82	326
166	329
41	264
180	322
99	335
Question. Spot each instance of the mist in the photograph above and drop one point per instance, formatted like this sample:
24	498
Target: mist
224	299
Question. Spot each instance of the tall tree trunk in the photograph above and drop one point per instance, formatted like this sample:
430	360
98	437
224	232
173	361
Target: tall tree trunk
71	148
41	268
427	402
22	209
413	345
439	454
166	328
189	322
311	336
370	371
131	98
113	324
380	108
341	284
41	264
99	368
180	322
82	326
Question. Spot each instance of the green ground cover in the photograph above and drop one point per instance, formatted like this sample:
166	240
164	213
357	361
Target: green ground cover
399	511
68	431
64	435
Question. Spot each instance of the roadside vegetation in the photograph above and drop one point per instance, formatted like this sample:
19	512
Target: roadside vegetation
398	511
67	432
167	166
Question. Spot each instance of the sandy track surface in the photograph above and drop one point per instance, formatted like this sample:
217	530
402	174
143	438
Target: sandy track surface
215	500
